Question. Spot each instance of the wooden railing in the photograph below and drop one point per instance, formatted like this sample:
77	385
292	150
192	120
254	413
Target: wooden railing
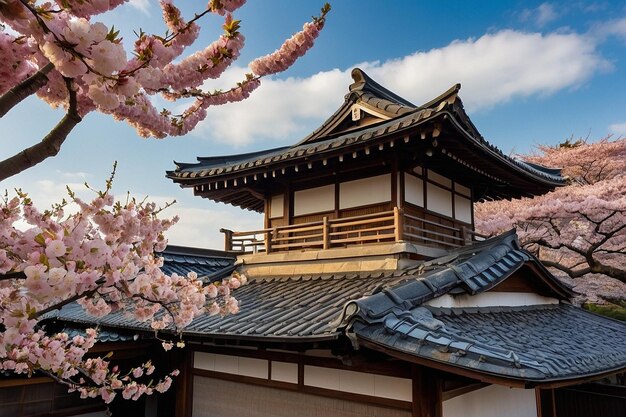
387	226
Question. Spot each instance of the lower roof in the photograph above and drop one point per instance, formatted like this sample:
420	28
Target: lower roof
531	343
386	311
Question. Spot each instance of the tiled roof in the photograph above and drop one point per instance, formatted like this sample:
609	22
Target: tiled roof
291	308
295	308
532	343
543	342
468	270
546	342
404	117
311	306
104	335
206	263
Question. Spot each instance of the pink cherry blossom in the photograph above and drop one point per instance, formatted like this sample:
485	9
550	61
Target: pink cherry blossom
578	229
104	79
103	255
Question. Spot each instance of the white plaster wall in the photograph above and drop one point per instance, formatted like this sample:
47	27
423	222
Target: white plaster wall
285	372
358	382
438	199
257	368
491	299
462	209
237	365
314	200
365	191
393	387
492	401
439	179
316	376
414	190
277	205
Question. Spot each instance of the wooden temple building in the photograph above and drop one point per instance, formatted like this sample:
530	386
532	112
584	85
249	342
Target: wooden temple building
370	293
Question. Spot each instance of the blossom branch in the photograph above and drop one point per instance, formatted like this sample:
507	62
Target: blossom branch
49	146
24	89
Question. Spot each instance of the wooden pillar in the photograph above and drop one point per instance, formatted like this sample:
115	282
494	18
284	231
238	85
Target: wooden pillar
267	207
269	236
184	384
427	392
395	198
546	404
464	235
325	232
398	221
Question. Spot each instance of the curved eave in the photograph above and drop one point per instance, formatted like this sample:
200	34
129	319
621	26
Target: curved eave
484	375
550	177
225	178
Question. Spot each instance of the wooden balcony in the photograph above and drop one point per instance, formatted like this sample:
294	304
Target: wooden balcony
387	226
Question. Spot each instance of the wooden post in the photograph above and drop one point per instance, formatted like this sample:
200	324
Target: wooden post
325	232
463	235
398	221
427	392
184	384
546	404
228	239
268	239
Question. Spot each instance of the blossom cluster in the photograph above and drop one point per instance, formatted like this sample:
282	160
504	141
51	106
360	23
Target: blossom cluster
103	257
108	79
14	66
286	55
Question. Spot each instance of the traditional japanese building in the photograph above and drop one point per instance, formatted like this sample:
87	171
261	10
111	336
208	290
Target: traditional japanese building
370	293
379	170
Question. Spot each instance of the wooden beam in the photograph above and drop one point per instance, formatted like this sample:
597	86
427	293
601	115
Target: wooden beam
464	389
442	366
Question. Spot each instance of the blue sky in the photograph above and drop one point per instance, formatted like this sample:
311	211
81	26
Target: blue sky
531	73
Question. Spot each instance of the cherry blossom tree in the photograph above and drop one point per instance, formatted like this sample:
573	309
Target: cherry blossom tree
103	257
101	254
57	51
577	229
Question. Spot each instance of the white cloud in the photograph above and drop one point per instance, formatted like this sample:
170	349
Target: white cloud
493	69
615	27
278	109
199	227
141	5
73	175
540	16
618	129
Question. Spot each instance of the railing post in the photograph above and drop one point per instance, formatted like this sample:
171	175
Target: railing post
228	239
398	222
268	240
325	232
463	235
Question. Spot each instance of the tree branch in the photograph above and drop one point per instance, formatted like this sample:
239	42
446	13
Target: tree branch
12	275
49	146
610	271
568	271
24	89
